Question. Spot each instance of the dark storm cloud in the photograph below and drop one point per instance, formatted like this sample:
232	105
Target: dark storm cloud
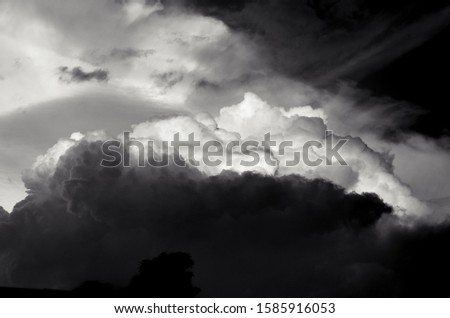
3	214
322	40
76	74
249	235
88	222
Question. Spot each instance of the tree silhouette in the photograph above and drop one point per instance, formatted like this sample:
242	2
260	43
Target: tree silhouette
93	288
168	275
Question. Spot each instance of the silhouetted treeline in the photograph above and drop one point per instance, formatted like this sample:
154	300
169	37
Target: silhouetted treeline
168	275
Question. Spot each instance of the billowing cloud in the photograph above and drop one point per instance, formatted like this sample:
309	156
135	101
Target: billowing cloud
252	118
219	216
82	203
305	237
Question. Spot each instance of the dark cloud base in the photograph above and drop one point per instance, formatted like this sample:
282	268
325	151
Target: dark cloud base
248	235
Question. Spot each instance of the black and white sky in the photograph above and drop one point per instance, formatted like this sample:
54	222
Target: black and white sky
76	73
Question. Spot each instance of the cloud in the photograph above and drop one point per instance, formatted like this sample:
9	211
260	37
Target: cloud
98	57
325	41
252	118
368	170
3	214
90	111
249	235
253	222
308	231
188	48
76	74
140	9
131	40
85	209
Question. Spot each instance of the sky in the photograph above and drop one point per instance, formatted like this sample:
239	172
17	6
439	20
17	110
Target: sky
73	75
